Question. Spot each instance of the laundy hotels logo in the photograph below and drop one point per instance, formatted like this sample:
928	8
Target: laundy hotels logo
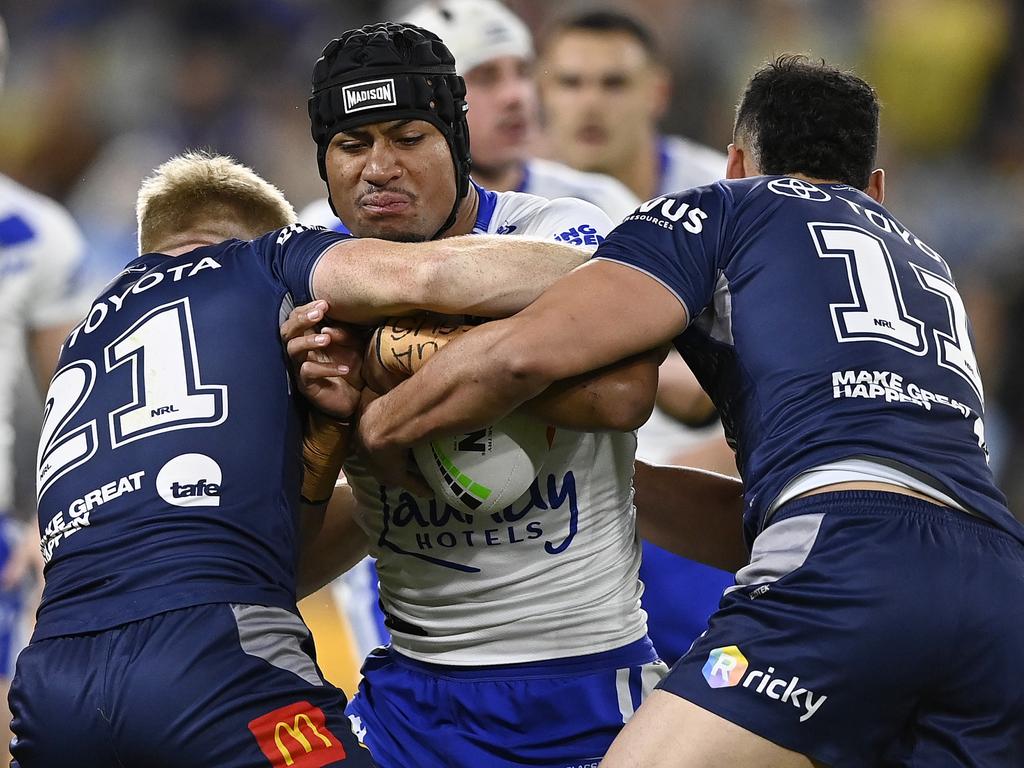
369	95
727	667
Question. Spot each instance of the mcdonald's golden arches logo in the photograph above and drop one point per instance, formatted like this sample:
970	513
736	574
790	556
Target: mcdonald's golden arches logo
297	736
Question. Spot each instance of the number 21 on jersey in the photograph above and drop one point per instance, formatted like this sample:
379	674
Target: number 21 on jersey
167	393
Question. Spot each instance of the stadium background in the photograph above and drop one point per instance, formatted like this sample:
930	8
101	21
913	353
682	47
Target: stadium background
99	92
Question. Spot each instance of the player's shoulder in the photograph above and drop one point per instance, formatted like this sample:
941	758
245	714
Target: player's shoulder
551	179
522	213
29	218
687	163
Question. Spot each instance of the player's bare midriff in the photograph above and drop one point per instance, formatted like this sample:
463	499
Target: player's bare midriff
858	485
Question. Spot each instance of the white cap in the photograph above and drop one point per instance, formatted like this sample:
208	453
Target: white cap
476	31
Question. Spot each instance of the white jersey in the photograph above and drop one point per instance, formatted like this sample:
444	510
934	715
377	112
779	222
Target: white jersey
684	164
549	179
553	575
41	253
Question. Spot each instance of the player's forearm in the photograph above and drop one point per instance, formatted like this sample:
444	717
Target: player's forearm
617	398
496	276
331	545
571	329
691	512
366	281
469	389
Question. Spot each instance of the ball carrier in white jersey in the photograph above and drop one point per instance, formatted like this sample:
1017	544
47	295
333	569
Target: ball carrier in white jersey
525	625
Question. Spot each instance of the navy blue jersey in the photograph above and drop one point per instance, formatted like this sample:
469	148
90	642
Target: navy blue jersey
823	330
169	462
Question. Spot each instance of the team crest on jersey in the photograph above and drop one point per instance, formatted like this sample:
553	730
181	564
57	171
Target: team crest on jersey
369	95
790	187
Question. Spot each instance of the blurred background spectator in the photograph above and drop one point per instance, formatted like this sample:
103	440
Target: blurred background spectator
100	91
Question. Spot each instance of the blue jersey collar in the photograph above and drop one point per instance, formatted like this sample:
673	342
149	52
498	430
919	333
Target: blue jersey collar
485	208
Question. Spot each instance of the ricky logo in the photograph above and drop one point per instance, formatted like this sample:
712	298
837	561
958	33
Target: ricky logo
727	667
369	95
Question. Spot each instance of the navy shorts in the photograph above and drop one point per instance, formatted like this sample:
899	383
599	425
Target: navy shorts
234	686
561	713
871	629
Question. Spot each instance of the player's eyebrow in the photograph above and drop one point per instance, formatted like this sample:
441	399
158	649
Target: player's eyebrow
397	125
361	132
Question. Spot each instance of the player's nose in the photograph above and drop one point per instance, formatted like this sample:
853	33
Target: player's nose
381	165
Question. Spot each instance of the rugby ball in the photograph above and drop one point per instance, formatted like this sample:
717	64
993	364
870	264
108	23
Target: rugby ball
485	470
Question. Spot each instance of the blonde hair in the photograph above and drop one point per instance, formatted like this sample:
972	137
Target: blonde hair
202	192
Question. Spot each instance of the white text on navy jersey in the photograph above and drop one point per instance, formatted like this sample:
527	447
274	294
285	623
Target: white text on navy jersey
114	302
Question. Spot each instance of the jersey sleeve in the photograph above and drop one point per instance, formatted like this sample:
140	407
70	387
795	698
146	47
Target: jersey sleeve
61	294
291	255
678	241
570	221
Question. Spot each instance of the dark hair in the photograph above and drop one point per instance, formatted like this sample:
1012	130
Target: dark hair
801	116
606	21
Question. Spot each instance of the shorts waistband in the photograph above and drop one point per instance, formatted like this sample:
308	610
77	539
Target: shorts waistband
882	503
638	652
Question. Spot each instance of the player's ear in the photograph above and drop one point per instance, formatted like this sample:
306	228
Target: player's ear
734	165
876	186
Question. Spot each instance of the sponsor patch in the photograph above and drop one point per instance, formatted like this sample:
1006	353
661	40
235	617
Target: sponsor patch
790	187
727	667
190	480
296	736
369	95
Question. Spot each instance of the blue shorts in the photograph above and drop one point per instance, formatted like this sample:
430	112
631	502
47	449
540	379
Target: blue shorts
871	629
551	714
226	685
679	596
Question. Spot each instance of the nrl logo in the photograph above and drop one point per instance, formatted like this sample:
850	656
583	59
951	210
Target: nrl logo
369	95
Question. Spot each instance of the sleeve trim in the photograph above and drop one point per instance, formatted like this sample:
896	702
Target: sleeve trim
316	263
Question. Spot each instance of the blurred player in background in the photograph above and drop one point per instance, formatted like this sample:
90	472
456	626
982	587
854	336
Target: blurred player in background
882	612
526	625
597	68
604	89
41	254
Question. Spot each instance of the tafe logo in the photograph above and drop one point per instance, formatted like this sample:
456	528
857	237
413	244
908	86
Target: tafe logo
370	95
190	480
799	188
727	667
